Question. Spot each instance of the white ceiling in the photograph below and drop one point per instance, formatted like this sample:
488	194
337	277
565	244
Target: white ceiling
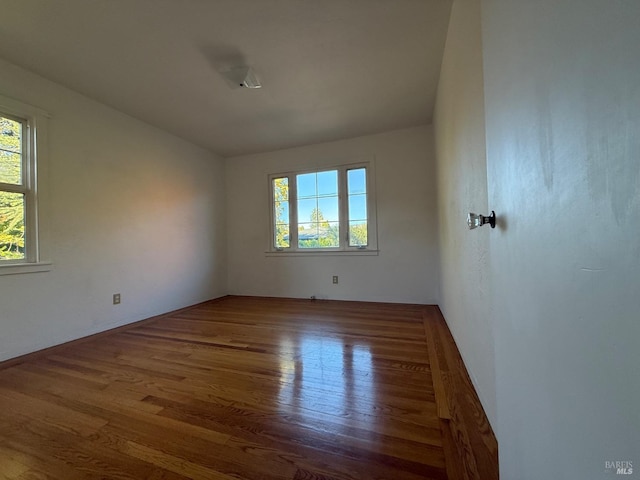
330	69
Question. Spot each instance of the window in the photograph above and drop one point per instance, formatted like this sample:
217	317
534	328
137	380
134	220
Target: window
18	184
328	210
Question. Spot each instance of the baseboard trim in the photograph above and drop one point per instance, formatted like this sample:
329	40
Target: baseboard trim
333	300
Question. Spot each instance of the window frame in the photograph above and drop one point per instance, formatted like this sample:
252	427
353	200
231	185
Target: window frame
343	212
34	121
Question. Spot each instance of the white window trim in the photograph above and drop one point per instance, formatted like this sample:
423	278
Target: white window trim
36	164
344	248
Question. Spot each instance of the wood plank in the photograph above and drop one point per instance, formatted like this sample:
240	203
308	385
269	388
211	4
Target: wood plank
476	449
455	470
438	385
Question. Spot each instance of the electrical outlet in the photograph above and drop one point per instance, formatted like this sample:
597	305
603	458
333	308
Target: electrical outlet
116	299
335	279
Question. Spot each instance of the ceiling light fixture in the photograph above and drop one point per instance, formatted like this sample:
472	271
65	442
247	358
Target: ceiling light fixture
475	221
243	77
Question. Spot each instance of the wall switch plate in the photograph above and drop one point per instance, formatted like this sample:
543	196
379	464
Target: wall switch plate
335	279
116	299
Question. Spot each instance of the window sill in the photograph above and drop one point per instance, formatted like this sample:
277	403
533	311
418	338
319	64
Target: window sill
319	253
20	268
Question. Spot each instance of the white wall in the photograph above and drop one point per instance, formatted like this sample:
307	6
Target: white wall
562	107
462	188
406	270
131	209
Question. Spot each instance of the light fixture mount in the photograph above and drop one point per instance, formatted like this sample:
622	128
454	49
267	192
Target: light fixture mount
243	77
475	220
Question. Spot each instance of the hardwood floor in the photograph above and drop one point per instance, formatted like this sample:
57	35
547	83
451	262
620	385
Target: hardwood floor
250	388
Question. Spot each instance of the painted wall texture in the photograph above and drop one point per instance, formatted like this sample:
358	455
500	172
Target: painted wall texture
462	188
562	85
406	270
130	209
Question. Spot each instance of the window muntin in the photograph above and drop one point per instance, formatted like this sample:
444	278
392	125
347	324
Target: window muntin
318	210
15	189
323	210
357	202
280	193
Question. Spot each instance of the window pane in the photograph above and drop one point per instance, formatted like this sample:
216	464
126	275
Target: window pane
319	235
328	183
10	168
281	212
282	236
281	231
306	184
357	193
357	207
10	151
328	209
11	226
357	181
307	210
280	189
308	235
358	234
330	235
